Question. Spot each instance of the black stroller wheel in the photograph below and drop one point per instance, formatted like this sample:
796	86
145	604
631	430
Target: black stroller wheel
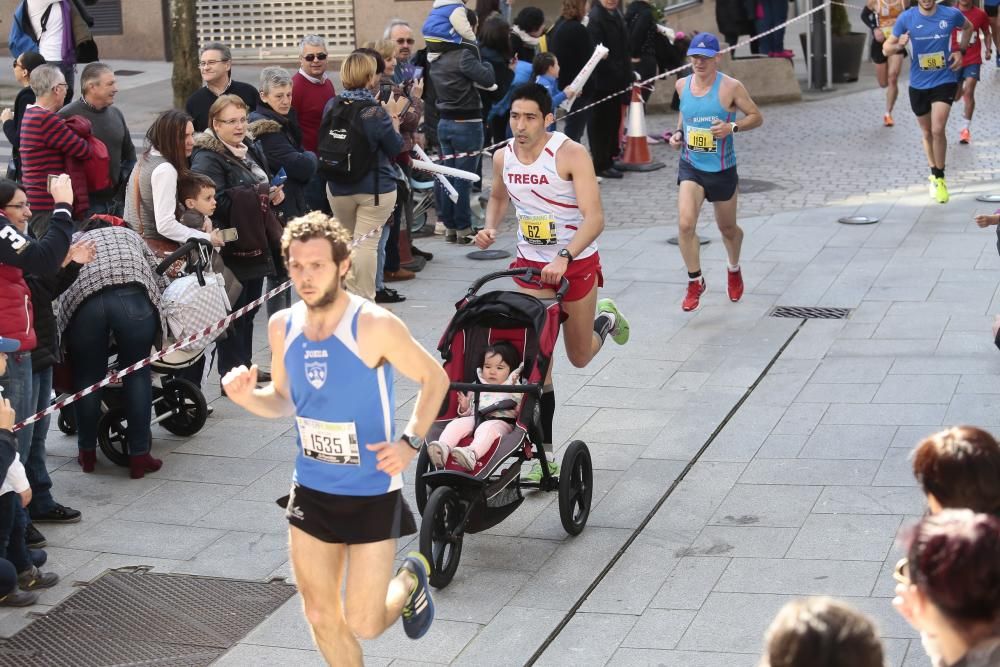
576	487
441	535
186	399
111	435
67	420
419	485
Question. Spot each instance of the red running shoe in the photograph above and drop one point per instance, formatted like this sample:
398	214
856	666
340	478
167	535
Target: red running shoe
693	299
735	286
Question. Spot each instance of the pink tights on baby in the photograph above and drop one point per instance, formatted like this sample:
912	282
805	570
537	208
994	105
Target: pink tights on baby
485	435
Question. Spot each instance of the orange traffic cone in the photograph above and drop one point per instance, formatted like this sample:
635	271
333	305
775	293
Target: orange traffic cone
637	156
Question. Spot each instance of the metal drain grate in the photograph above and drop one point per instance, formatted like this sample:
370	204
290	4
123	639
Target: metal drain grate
133	618
811	312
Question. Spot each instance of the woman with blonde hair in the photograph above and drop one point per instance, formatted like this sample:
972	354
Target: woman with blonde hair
364	202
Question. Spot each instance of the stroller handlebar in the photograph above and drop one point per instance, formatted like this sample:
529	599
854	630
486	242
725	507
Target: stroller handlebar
182	251
527	274
500	388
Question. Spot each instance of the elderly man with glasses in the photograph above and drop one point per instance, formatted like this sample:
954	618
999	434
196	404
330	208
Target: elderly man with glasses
311	90
400	34
216	65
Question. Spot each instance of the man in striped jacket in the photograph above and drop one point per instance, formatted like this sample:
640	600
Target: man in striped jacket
46	142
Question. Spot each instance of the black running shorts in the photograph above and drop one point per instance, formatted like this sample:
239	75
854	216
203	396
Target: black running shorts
718	185
921	99
348	519
877	56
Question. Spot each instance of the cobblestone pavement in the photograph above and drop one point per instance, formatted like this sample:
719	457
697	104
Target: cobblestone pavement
778	448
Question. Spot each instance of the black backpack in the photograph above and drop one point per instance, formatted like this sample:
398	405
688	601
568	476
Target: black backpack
344	153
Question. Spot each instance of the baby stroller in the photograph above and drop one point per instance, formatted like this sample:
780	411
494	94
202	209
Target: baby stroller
178	404
454	501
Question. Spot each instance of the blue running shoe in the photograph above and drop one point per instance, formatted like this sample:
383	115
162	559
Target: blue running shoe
418	612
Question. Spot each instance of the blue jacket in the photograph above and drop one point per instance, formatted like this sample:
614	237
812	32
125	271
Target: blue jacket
438	24
552	86
522	74
382	138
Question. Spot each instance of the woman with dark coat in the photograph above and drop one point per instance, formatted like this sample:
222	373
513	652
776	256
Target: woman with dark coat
23	66
613	74
495	48
642	36
275	127
570	41
226	154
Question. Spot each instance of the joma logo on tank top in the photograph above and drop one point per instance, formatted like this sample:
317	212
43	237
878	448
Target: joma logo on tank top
527	179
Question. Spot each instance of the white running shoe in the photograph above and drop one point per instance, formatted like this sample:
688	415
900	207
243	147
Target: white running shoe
464	457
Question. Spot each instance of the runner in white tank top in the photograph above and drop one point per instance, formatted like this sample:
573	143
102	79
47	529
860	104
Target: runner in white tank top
547	213
558	204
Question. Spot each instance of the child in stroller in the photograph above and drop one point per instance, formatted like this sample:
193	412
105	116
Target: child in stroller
501	365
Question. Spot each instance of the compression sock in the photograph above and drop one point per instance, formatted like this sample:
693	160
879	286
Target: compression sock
604	324
547	406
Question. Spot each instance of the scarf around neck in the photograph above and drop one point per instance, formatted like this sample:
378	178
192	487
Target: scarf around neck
238	150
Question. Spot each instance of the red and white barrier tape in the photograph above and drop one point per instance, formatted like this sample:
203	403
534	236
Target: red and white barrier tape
153	358
645	82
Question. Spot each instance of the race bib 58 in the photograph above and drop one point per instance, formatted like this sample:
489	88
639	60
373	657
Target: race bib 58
932	61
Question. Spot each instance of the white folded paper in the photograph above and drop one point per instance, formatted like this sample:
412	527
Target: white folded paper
445	183
581	79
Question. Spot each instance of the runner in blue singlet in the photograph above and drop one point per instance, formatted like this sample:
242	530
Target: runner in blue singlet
707	169
333	358
933	76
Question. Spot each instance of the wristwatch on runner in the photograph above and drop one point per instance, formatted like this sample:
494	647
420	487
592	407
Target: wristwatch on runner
734	127
565	253
414	441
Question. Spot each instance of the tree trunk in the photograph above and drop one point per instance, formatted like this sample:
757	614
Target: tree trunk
184	44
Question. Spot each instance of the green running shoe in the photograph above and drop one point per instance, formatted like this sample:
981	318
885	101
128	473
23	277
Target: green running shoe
535	474
620	332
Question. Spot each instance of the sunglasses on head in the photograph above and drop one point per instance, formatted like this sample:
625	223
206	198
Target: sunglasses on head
314	56
405	40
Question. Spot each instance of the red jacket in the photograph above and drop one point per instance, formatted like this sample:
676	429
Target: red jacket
76	169
19	253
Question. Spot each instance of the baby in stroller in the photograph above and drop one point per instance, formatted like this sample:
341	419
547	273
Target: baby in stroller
501	365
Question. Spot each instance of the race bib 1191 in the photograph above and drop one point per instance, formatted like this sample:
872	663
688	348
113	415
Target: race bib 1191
700	140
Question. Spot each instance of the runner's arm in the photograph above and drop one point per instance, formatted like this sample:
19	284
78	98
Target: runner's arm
967	30
391	341
273	400
752	117
588	196
891	45
496	207
988	39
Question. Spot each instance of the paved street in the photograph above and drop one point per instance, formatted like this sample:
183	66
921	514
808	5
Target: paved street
741	459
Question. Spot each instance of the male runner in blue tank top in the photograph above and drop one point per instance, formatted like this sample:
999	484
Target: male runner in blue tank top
333	357
933	76
707	170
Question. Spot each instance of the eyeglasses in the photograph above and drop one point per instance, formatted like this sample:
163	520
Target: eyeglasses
232	121
901	572
405	40
19	206
60	85
314	56
210	63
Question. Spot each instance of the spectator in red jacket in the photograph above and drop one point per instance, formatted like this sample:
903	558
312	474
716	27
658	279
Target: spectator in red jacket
311	90
46	142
